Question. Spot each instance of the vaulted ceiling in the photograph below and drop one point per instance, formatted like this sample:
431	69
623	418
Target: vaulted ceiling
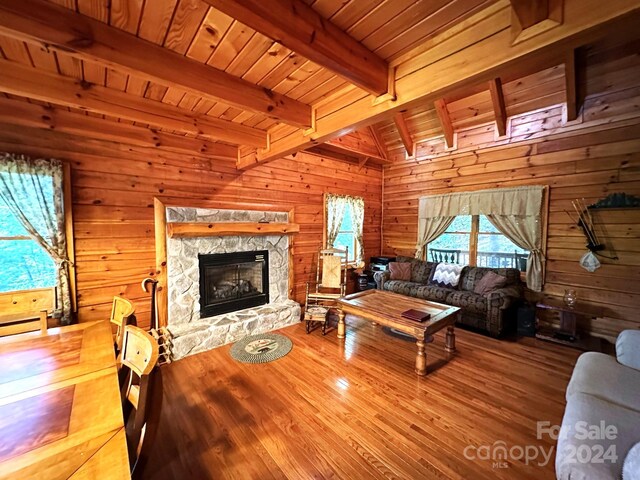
276	77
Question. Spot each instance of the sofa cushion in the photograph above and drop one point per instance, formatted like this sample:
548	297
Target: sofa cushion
489	282
472	275
591	411
400	271
467	300
446	275
628	348
420	270
433	293
602	376
405	288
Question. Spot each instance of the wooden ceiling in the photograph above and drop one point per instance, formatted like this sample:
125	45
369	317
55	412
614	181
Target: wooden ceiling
188	68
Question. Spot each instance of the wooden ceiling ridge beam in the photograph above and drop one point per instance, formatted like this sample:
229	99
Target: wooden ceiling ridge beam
377	137
24	81
499	107
31	115
405	133
60	29
481	49
298	27
445	121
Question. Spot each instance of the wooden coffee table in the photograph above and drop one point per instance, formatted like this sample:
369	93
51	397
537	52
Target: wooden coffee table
386	308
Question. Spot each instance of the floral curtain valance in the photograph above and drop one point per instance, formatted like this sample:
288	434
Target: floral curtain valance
42	216
515	212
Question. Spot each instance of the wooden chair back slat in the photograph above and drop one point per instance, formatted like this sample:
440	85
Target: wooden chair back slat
139	355
121	312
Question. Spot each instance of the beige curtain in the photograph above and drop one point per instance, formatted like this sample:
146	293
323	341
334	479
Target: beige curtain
357	219
334	211
516	212
524	231
23	189
429	229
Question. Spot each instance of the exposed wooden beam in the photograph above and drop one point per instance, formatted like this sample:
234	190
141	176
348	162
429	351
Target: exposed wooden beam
458	59
377	137
328	151
58	28
499	108
26	114
405	134
532	17
298	27
530	12
23	81
445	121
573	87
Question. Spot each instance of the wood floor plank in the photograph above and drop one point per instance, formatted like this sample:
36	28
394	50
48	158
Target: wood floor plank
355	409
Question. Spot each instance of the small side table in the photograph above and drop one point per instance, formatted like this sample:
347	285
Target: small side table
567	334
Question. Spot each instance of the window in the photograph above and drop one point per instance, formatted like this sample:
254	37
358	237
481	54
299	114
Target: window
346	237
24	264
473	240
36	229
344	221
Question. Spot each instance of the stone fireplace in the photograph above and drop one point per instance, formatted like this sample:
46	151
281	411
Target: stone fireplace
224	287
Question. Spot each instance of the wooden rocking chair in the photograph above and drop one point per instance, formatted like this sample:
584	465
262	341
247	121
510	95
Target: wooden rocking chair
322	295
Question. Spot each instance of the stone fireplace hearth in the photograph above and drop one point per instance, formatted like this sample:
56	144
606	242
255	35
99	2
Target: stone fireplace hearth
192	330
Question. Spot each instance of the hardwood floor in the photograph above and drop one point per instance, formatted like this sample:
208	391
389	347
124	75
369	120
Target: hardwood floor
355	409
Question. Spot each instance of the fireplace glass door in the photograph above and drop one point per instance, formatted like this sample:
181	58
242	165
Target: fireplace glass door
233	281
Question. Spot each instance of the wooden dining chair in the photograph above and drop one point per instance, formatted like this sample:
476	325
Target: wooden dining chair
26	311
139	356
122	311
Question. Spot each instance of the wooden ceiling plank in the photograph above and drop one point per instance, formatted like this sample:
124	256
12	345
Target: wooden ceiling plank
356	144
61	29
301	29
445	121
499	108
405	134
461	60
30	115
20	80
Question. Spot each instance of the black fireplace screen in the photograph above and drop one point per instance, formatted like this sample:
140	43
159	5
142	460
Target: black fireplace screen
233	281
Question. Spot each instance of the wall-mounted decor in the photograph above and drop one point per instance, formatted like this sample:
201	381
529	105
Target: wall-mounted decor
617	200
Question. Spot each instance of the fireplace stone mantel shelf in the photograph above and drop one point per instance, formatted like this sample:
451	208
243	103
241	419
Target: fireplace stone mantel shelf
186	230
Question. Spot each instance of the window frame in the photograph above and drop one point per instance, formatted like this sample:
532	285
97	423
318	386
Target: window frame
68	225
473	241
350	263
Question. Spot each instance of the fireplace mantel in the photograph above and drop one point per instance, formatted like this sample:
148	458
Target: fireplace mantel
184	230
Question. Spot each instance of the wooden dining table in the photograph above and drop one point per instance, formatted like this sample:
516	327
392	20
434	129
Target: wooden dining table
60	410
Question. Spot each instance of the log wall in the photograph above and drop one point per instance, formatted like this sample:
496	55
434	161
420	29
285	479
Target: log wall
597	155
114	185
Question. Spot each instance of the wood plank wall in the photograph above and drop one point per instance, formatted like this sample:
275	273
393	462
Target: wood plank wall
586	159
114	184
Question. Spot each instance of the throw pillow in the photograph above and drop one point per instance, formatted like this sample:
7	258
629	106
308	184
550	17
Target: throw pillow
447	275
490	282
400	271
